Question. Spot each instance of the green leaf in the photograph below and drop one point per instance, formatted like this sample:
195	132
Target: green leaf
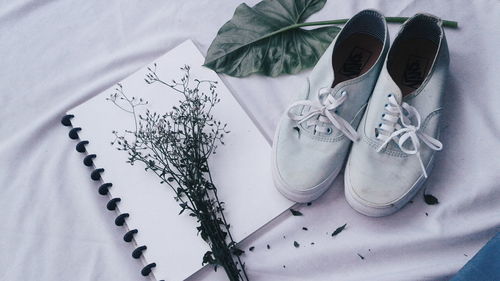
265	39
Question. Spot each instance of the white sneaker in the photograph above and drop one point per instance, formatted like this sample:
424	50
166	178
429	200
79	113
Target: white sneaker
313	137
399	130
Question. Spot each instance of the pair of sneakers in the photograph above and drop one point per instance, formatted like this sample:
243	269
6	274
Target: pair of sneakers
377	107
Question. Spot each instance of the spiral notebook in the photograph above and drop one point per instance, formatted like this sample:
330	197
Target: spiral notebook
165	242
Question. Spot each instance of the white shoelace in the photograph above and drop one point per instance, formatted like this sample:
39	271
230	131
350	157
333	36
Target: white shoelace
390	129
325	114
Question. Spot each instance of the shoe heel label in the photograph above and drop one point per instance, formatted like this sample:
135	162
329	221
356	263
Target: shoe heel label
355	62
415	70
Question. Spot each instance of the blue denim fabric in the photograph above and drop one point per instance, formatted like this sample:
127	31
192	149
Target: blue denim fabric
484	266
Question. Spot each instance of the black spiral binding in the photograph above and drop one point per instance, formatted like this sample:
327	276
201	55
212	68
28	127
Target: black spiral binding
73	133
89	160
136	254
80	147
66	120
104	190
147	269
120	219
96	174
112	203
129	235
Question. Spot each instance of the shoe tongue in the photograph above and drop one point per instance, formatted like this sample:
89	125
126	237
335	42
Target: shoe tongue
389	86
396	91
334	92
317	83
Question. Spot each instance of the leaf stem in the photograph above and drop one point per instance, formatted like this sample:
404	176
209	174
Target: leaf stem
446	23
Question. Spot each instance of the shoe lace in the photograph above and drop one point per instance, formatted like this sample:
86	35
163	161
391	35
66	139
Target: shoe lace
322	115
404	131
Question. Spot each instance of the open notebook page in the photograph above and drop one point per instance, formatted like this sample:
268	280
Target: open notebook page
241	168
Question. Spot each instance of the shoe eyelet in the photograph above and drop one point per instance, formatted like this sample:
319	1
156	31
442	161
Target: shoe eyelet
329	131
379	125
389	95
383	115
386	105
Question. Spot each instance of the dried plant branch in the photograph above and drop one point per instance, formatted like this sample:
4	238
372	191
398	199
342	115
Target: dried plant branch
176	147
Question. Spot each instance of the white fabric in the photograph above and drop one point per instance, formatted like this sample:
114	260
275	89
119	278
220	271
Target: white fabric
54	225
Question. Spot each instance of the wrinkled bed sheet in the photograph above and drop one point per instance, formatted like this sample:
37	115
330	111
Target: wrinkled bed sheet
54	225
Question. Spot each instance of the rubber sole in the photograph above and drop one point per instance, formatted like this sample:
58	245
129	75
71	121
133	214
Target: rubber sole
360	206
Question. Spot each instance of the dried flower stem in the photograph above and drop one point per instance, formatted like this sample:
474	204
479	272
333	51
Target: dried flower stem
176	146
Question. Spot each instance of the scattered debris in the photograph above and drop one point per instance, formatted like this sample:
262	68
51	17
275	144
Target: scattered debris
251	249
305	228
339	230
268	247
295	212
430	199
361	256
296	244
237	252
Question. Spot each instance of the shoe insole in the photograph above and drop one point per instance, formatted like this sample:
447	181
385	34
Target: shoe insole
411	62
354	56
